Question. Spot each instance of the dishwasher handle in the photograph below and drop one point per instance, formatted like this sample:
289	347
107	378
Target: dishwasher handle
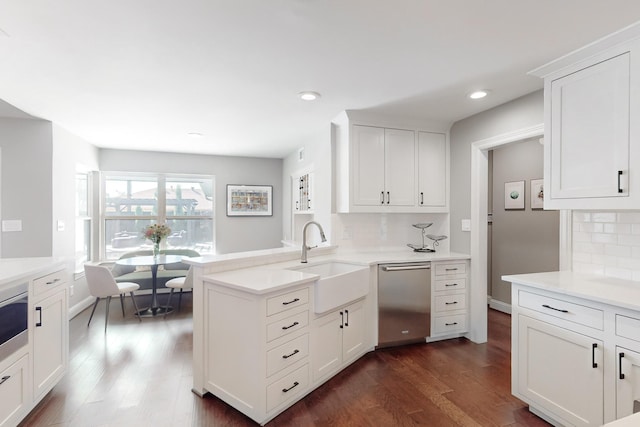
406	267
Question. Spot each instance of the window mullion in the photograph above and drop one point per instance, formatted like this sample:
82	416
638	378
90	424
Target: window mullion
162	199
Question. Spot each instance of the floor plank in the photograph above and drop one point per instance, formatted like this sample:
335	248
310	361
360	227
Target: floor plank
139	374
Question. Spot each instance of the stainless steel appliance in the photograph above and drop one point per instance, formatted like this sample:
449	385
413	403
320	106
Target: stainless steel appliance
13	318
404	303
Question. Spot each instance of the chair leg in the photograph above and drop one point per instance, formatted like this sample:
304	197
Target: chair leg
166	308
106	316
136	307
93	311
180	300
122	303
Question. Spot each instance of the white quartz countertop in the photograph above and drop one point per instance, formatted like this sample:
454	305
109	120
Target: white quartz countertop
630	421
275	276
607	290
16	269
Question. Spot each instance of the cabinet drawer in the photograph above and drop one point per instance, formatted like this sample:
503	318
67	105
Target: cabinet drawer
288	387
287	354
452	302
628	327
13	392
287	301
50	281
450	269
450	284
576	313
286	326
450	324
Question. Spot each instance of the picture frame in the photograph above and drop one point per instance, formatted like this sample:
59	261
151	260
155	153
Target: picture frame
249	200
514	195
537	193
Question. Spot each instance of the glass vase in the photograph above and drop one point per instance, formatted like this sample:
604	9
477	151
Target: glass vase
156	249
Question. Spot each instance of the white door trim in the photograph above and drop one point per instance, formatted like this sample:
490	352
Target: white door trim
479	210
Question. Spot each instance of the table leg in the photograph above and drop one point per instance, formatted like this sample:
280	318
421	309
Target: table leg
155	308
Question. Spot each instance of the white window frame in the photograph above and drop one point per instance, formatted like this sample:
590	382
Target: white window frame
79	268
161	217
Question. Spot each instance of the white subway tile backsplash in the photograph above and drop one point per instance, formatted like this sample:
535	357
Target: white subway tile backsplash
607	243
617	250
603	217
582	216
604	238
617	228
629	217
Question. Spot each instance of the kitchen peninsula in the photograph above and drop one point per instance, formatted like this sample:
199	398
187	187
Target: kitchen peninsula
261	342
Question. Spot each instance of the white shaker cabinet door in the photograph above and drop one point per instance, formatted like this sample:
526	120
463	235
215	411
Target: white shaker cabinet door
432	169
590	122
368	166
628	382
399	168
561	371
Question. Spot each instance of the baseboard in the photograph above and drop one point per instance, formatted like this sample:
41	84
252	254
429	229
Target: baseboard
80	307
500	306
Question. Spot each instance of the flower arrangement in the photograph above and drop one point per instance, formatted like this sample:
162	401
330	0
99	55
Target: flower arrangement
155	233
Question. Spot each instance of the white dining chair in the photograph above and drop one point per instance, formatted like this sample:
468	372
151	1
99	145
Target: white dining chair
181	283
102	285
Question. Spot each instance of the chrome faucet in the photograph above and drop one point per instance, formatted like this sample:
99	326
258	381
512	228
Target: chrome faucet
305	248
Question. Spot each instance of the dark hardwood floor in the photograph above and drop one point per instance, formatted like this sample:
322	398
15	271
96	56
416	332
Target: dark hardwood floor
139	374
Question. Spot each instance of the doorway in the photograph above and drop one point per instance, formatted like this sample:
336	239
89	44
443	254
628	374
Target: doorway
521	236
479	211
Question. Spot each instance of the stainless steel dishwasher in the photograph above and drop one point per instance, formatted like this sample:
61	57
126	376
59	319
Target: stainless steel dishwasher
404	303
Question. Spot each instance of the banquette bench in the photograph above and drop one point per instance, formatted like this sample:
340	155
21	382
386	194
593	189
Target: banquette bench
142	276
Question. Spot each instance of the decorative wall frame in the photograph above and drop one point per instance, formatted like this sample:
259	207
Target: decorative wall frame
537	193
514	195
249	200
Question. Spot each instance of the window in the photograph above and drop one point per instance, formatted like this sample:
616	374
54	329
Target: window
83	221
131	202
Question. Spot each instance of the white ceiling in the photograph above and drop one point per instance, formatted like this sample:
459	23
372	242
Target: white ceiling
141	74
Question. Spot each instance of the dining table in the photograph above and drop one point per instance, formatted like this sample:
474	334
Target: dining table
153	262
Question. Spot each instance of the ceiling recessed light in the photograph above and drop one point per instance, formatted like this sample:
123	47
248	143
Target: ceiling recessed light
478	94
195	134
309	96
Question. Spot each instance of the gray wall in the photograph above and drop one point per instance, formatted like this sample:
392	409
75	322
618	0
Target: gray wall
523	241
518	114
233	234
26	163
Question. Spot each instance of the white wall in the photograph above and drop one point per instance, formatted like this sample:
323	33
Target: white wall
69	151
26	187
233	234
520	113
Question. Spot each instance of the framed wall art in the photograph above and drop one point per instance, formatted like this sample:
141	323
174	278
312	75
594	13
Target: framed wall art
537	193
514	195
249	200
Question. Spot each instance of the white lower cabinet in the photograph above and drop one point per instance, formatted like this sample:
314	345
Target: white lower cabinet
257	348
449	291
337	338
575	361
50	342
14	392
560	371
628	382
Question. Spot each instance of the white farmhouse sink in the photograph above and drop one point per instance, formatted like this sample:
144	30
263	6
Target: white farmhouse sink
339	283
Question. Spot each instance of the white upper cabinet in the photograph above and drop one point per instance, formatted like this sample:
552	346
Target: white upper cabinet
592	127
432	170
389	169
383	166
